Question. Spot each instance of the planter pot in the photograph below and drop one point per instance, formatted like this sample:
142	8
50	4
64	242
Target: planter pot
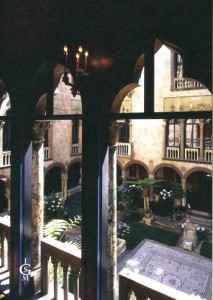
147	219
177	202
156	197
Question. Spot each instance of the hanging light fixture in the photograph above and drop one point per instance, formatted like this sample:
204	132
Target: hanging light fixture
80	71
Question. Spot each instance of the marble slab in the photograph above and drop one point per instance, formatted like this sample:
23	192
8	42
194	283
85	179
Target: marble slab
172	266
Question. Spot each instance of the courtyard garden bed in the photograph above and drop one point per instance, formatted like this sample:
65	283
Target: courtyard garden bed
139	231
206	249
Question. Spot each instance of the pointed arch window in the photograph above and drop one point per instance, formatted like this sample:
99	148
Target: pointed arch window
208	134
75	136
123	136
192	133
173	133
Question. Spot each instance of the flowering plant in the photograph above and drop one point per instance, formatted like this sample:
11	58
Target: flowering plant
201	232
54	205
166	194
122	230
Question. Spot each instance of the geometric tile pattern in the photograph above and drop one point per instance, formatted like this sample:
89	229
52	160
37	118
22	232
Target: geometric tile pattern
182	270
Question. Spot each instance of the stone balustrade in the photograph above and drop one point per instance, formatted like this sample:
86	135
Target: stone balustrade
173	152
6	157
75	149
46	153
187	84
208	155
123	149
191	154
69	257
5	241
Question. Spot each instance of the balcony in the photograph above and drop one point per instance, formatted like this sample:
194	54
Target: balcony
46	153
124	149
6	159
187	84
75	149
173	152
191	154
208	155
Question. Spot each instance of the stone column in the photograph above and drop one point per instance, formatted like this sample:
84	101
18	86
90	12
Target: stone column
201	156
1	142
182	138
80	135
71	123
183	182
39	129
164	139
112	213
64	184
124	177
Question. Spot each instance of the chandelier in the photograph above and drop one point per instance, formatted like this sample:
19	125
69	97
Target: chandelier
79	73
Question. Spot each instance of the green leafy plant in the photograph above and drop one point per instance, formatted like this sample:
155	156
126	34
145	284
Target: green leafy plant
139	231
144	185
178	191
206	249
57	229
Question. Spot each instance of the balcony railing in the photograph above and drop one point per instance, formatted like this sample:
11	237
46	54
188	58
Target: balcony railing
68	257
6	157
187	84
5	241
46	153
208	155
191	154
173	152
123	149
75	149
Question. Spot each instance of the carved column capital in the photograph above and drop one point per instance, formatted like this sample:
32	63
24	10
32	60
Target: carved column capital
113	132
39	128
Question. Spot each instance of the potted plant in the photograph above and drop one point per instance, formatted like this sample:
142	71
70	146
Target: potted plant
144	185
178	194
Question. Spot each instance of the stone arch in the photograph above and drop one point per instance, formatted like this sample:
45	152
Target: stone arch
56	164
167	166
53	177
115	108
199	189
74	174
79	160
196	169
116	105
136	170
41	104
137	162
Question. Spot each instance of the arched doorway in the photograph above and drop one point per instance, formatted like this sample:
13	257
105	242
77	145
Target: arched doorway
170	176
119	176
3	198
199	191
136	171
53	181
74	175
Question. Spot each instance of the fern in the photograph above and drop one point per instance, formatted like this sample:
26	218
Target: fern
57	228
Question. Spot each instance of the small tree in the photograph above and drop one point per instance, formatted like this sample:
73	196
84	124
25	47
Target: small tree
144	185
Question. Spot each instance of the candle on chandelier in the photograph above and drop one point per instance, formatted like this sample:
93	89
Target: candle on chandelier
66	54
85	63
77	60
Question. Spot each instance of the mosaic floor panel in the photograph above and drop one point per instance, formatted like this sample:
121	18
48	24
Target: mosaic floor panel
174	267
